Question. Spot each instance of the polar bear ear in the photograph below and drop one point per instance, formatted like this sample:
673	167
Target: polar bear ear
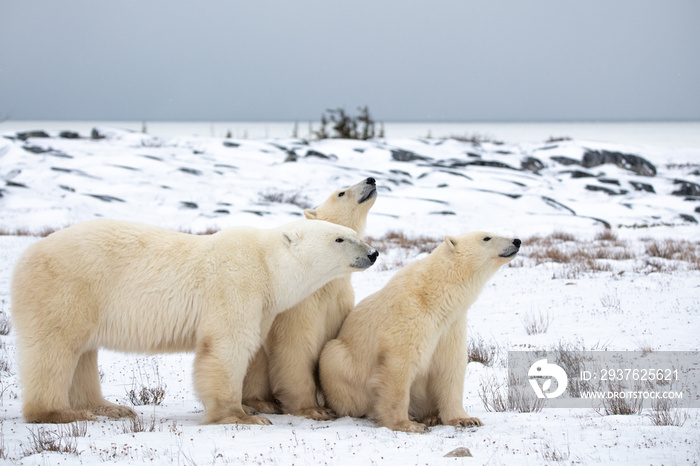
451	242
290	237
311	214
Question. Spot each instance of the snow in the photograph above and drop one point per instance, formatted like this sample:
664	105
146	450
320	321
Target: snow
149	179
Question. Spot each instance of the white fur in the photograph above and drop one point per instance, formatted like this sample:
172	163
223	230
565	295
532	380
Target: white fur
136	288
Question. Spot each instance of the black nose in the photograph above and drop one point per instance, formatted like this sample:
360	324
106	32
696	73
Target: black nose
373	256
371	180
517	242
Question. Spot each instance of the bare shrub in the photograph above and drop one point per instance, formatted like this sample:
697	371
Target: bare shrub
480	351
558	139
675	250
394	239
398	248
145	391
42	439
548	452
475	138
26	232
606	235
664	412
281	197
536	324
619	405
497	398
136	424
5	325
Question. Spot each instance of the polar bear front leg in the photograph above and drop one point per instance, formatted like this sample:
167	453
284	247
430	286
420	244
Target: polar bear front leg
220	366
85	392
393	383
448	369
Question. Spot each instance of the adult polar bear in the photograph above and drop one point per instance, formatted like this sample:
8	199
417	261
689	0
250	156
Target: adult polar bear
285	368
402	352
137	288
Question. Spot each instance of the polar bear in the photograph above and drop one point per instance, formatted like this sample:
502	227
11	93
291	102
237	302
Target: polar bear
136	288
282	376
402	352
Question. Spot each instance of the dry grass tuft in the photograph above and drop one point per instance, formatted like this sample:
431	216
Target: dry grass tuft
43	233
536	324
482	352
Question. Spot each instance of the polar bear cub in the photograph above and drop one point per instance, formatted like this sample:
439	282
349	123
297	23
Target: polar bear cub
136	288
402	352
284	370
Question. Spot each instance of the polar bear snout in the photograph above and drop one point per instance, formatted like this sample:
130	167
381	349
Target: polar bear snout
512	249
367	261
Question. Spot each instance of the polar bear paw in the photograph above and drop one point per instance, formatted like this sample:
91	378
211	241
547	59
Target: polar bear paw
409	426
316	413
113	411
465	422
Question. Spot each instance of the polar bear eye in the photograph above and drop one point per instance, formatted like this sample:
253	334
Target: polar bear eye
341	194
487	238
339	240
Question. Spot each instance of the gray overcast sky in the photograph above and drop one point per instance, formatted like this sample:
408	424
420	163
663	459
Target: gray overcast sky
439	60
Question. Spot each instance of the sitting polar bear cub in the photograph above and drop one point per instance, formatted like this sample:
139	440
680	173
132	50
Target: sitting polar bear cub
282	377
137	288
402	352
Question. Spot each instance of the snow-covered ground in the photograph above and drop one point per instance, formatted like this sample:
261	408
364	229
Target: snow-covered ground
429	187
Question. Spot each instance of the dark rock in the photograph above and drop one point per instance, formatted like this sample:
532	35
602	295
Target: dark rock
609	181
688	188
359	150
32	134
642	187
633	163
106	197
553	146
69	135
557	205
152	157
689	218
531	164
491	163
232	144
605	190
697	209
566	161
191	171
14	184
579	174
189	205
401	155
315	153
450	172
221	211
223	165
504	152
66	188
472	154
400	172
443	212
695	172
36	149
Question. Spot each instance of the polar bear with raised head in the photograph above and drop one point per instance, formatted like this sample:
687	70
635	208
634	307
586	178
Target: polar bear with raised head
282	376
401	355
136	288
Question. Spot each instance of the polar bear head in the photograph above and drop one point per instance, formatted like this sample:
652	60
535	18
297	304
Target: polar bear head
482	251
347	206
325	247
